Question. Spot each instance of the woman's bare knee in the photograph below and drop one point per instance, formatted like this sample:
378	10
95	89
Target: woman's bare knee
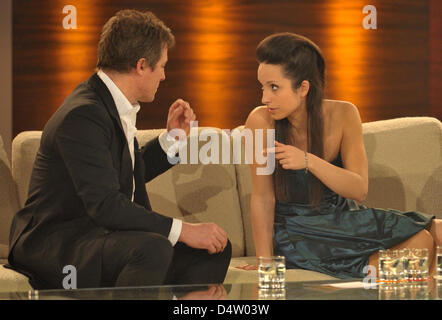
426	240
422	239
436	231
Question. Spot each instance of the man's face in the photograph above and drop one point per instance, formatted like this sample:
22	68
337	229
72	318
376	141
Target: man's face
150	79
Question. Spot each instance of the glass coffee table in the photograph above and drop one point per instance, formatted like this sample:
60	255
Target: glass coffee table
354	289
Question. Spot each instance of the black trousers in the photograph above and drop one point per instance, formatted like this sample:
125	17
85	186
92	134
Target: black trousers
132	258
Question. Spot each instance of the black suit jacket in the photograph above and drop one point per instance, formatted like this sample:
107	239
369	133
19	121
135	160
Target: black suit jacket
80	190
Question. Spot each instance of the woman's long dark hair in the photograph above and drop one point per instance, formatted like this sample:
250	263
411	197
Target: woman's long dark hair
301	59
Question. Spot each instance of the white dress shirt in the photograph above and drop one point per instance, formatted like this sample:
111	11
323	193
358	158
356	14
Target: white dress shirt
128	116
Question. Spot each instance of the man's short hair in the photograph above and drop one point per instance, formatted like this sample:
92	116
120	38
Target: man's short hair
129	36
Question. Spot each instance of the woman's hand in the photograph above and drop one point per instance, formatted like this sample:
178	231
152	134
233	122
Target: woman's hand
248	267
289	157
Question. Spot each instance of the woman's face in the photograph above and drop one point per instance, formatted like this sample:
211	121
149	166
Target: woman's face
277	92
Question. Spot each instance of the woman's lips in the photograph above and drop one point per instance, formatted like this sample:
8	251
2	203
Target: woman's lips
271	110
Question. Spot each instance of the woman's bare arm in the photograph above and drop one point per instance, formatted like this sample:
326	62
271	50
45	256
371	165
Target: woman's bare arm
351	181
263	197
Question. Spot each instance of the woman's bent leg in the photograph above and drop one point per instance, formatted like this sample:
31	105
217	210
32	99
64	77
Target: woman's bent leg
436	232
422	240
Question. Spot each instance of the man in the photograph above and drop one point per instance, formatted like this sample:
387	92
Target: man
87	204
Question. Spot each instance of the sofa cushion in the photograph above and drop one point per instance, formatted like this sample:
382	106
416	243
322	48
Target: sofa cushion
11	281
405	164
8	201
243	176
199	193
24	149
4	250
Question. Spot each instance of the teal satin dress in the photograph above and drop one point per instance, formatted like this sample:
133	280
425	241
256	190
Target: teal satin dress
337	237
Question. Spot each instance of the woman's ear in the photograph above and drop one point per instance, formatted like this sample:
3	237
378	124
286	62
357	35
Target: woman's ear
304	88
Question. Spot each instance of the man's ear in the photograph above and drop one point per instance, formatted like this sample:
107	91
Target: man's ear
304	88
142	65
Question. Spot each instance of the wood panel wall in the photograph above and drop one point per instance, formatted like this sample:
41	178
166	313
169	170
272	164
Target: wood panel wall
436	59
385	72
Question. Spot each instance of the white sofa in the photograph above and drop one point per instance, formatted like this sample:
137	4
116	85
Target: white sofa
405	173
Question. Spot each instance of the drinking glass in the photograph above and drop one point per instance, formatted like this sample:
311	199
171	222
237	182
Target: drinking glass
418	290
384	262
390	291
407	256
438	287
274	294
271	272
420	264
438	263
390	266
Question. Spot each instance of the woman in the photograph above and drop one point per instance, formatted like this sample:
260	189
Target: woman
307	210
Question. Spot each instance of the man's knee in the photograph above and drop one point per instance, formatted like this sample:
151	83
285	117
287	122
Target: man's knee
223	263
153	247
228	249
226	254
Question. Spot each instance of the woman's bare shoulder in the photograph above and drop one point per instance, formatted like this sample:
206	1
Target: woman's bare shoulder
259	118
340	111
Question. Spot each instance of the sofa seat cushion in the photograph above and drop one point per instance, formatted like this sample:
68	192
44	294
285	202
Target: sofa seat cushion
11	281
24	149
404	164
4	251
235	275
199	193
9	204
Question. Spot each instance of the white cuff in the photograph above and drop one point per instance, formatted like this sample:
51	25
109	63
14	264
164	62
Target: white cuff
175	231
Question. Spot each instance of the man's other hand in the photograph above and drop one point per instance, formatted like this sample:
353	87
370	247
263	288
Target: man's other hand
180	115
207	236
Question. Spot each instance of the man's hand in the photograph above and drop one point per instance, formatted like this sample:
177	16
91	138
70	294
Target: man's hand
180	115
207	236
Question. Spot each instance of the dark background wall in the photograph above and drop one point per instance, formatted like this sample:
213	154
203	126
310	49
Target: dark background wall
6	74
393	71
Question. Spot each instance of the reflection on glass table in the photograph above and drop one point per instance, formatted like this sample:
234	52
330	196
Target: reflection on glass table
354	289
